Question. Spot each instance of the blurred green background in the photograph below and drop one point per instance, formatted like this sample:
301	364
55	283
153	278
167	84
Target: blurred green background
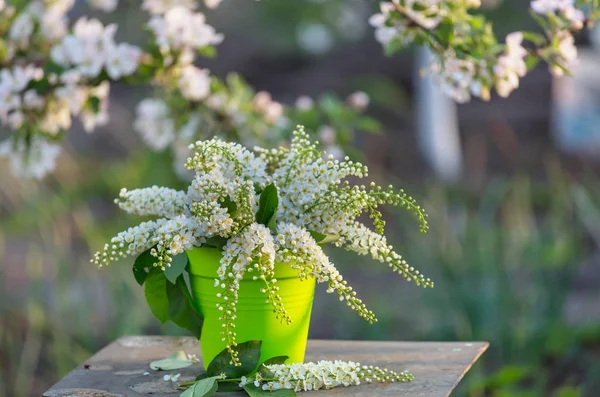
513	245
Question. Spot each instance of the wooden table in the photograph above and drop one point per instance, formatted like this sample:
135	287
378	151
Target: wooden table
118	369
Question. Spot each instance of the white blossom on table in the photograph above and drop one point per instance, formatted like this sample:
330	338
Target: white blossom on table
321	375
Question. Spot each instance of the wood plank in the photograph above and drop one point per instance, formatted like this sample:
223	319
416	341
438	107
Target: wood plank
118	369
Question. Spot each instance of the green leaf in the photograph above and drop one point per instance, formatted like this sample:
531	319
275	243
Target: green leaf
42	86
94	104
445	31
535	38
208	51
177	267
369	124
248	353
267	205
142	266
203	375
216	241
226	387
273	225
182	310
156	294
176	361
254	391
395	45
272	361
231	206
321	238
531	61
203	388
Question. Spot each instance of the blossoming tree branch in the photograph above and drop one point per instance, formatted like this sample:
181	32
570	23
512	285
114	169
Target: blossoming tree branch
468	59
52	73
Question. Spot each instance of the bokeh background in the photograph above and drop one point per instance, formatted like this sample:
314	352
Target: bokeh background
511	186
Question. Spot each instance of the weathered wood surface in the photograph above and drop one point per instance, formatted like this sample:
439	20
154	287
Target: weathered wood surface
118	369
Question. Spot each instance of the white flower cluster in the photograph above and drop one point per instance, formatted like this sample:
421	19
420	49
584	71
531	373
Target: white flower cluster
91	48
41	20
425	14
264	104
183	31
511	65
154	124
321	375
162	6
34	161
467	62
104	5
565	54
13	98
462	78
566	9
222	202
301	251
152	201
178	32
194	83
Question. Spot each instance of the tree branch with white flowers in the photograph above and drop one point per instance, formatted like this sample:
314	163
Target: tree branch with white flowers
468	59
52	73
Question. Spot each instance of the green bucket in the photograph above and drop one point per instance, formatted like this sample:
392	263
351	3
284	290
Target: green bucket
255	317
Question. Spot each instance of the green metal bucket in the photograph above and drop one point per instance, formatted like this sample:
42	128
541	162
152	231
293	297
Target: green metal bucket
255	317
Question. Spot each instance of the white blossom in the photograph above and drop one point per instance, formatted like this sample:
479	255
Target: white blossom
323	375
122	60
34	161
157	7
154	124
212	3
567	8
104	5
360	100
304	103
181	29
171	378
194	83
566	53
327	134
21	29
511	65
91	48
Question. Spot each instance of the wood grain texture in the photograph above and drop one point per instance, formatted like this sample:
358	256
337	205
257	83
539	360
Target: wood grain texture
118	369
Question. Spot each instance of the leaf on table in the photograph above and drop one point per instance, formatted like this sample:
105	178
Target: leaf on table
248	354
203	388
271	361
176	361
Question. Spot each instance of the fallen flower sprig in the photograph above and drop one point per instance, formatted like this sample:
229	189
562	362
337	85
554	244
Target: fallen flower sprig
273	375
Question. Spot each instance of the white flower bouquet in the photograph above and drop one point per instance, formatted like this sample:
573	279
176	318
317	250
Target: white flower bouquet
256	214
